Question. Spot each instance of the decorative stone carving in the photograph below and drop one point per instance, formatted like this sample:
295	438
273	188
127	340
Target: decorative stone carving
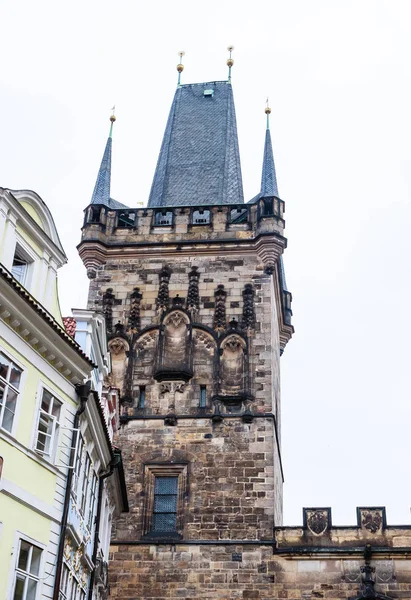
248	307
317	520
163	296
232	366
372	519
220	320
118	346
174	352
352	571
193	295
384	571
134	320
172	388
108	303
119	350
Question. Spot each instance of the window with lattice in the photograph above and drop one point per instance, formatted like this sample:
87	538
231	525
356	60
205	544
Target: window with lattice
165	490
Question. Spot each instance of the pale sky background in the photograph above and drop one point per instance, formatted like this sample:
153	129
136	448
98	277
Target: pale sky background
338	77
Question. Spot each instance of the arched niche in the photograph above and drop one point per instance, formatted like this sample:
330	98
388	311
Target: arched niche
145	353
233	367
174	356
204	358
119	351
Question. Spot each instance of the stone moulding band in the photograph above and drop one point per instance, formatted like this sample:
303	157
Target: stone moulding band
296	550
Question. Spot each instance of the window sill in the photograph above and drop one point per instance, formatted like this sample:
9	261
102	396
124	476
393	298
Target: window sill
166	536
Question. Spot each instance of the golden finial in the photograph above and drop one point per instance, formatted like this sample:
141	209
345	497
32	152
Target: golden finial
230	62
267	112
112	119
180	66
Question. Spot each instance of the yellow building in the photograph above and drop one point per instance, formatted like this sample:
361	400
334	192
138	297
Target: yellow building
40	366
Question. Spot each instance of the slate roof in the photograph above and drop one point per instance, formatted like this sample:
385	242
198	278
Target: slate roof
268	176
199	161
101	194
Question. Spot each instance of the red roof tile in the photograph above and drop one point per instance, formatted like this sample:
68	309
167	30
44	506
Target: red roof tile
70	325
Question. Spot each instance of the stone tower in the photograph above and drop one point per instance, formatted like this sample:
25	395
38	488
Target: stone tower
198	314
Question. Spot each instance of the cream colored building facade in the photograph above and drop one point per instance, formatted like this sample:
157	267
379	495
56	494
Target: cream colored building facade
40	366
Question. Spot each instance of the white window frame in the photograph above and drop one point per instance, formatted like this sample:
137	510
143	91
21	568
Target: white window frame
92	500
49	455
17	391
25	252
77	470
73	590
18	537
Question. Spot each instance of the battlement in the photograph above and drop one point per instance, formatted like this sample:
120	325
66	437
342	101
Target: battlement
184	223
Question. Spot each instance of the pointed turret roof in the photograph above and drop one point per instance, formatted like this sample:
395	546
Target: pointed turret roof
199	161
101	194
268	176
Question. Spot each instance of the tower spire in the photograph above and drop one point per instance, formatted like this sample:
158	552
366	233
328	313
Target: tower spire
268	176
101	193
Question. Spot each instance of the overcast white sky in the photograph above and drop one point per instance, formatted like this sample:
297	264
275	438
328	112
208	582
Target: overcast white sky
338	77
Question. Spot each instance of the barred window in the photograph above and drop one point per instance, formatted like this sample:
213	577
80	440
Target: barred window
203	396
165	491
165	504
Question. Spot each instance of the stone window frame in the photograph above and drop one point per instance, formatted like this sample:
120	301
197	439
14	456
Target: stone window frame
151	471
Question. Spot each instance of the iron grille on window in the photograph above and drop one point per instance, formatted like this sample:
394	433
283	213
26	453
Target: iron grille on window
165	504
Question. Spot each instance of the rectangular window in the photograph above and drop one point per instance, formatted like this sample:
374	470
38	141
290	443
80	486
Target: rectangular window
165	504
48	423
142	397
92	502
70	588
27	571
10	376
166	488
84	487
77	466
203	396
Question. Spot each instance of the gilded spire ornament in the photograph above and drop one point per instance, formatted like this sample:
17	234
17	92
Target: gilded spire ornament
112	120
230	62
267	112
180	66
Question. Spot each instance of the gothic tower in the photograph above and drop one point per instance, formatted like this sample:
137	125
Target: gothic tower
198	314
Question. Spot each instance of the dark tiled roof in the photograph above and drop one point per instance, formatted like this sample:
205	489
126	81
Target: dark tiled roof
8	278
101	194
70	325
199	161
268	176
